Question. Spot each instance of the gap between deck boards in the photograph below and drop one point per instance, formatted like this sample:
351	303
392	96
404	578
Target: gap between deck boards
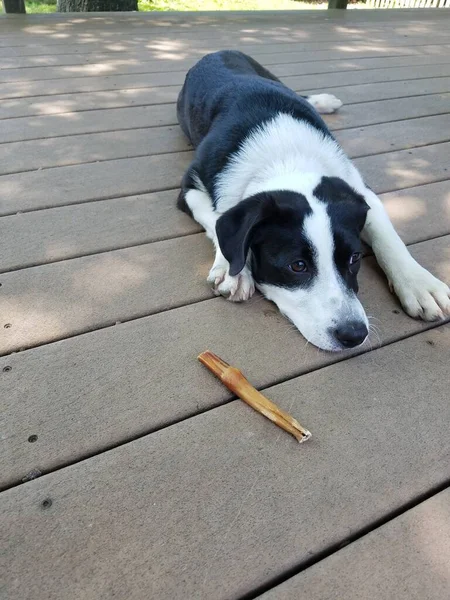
20	90
334	548
266	389
33	492
182	142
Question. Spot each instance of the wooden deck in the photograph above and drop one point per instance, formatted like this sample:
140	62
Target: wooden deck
128	471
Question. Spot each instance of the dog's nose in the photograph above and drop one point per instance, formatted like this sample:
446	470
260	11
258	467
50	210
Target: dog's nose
351	334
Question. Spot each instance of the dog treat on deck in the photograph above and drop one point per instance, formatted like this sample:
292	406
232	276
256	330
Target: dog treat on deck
238	384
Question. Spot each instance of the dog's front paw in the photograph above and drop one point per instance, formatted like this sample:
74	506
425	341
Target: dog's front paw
236	289
217	274
422	295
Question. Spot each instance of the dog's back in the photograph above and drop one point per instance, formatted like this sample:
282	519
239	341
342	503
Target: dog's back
231	91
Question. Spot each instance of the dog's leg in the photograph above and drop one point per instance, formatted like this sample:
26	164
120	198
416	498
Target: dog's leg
238	288
325	104
421	294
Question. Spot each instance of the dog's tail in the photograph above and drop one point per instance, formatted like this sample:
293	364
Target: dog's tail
325	104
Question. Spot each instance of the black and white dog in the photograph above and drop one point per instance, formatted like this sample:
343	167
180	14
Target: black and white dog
283	205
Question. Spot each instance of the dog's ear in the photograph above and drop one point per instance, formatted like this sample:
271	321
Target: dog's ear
236	227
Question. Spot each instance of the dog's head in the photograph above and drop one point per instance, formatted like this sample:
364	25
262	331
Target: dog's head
306	253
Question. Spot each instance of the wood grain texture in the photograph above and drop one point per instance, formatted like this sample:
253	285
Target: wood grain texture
220	504
415	566
92	84
297	63
152	481
66	103
39	237
93	181
354	115
120	382
114	178
268	53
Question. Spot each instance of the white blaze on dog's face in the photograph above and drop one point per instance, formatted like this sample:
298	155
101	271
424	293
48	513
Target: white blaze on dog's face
323	304
306	253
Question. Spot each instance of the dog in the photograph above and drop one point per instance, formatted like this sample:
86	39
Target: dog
284	207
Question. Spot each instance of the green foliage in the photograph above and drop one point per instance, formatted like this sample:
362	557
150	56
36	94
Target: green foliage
40	6
48	6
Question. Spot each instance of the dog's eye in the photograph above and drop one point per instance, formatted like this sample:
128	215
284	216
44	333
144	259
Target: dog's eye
354	258
299	266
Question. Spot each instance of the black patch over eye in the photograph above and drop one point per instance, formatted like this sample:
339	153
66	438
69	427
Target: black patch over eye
354	258
299	266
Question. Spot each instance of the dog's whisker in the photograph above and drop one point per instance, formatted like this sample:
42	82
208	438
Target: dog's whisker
372	318
376	334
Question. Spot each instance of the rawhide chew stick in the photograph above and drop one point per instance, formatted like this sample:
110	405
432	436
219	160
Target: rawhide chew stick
238	384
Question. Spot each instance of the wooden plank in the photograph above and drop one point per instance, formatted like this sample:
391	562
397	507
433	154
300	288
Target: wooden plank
64	103
192	21
264	52
371	92
321	62
92	391
269	21
349	78
77	149
282	69
357	115
92	84
126	177
161	47
166	516
416	211
54	301
297	25
404	168
405	558
50	302
49	126
84	148
40	237
51	32
93	181
385	137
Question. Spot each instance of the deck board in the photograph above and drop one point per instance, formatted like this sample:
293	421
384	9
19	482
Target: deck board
129	176
129	377
95	121
416	565
295	63
39	237
84	101
80	148
366	55
220	504
161	484
158	48
80	183
297	82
